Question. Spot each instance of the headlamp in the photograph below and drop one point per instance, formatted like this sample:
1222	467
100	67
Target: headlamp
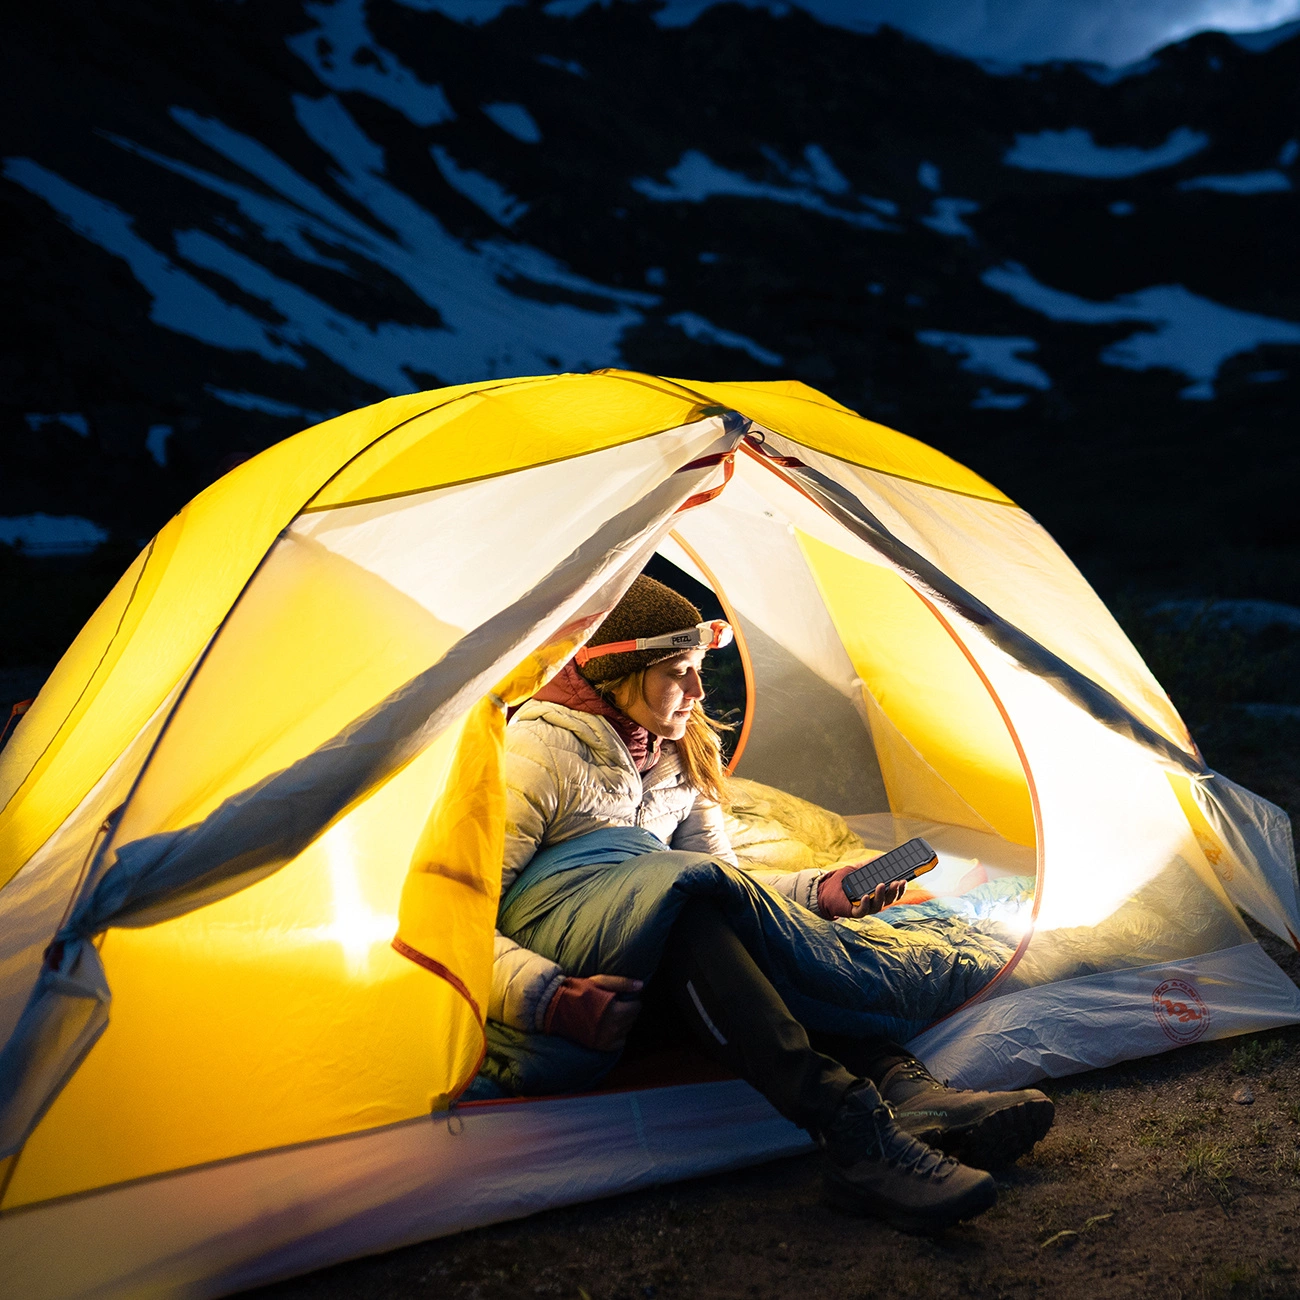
703	636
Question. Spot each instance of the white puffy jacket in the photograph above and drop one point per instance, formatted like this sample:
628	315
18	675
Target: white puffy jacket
568	773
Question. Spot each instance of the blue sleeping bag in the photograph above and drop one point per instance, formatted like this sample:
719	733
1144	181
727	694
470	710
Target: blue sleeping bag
603	903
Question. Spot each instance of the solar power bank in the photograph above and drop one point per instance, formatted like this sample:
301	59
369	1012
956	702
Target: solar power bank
906	862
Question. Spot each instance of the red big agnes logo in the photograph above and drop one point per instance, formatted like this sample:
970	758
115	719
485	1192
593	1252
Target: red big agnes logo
1183	1016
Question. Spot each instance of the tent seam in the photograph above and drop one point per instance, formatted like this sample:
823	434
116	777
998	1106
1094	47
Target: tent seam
126	609
479	478
1040	856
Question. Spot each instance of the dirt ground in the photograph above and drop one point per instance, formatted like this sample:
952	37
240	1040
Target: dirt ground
1176	1177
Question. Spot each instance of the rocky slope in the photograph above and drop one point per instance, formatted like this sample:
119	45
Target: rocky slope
222	220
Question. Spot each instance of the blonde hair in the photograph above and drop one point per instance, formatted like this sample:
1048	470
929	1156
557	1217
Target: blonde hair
700	749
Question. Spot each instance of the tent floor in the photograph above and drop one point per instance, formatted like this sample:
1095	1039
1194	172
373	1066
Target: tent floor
221	1228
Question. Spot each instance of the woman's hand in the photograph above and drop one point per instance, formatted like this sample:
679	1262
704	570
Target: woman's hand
596	1012
833	901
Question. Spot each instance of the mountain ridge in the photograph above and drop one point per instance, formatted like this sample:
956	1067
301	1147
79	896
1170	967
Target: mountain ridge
225	221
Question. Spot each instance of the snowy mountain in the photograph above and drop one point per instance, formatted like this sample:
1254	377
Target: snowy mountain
223	221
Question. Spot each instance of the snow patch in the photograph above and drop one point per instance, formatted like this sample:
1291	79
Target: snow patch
73	420
1288	153
180	302
515	120
1107	76
699	330
1250	616
1266	182
462	11
1271	712
482	191
988	400
344	56
1074	153
570	66
1187	333
946	217
155	442
886	207
927	176
990	354
486	331
696	178
824	173
42	534
244	401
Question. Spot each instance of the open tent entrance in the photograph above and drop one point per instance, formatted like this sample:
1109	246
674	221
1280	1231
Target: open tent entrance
794	686
727	674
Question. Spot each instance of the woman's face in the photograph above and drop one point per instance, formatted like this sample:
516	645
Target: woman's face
668	693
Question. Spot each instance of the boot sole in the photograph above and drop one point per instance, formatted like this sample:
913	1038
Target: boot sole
997	1139
981	1196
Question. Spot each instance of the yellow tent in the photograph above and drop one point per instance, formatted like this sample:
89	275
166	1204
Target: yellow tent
251	828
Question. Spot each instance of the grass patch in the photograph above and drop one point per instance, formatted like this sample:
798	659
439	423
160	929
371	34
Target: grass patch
1287	1165
1256	1055
1247	1281
1207	1164
1229	1280
1157	1130
1066	1150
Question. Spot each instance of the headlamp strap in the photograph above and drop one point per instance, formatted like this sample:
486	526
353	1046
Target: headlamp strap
703	636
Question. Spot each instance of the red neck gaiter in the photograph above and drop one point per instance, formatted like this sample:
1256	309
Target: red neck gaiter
570	688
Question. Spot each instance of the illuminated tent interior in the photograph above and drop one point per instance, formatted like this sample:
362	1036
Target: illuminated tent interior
251	829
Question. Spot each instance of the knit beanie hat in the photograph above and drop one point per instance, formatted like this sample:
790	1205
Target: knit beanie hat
648	608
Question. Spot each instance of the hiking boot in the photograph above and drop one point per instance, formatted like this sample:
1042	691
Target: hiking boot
875	1168
986	1130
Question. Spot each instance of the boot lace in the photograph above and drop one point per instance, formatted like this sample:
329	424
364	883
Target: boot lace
902	1151
873	1135
914	1072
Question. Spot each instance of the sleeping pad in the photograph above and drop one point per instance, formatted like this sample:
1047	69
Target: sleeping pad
603	903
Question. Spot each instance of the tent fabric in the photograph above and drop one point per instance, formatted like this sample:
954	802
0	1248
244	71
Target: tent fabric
268	754
453	869
160	872
819	424
1099	1020
220	1228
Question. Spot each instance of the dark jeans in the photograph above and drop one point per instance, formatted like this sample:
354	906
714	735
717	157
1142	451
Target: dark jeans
709	980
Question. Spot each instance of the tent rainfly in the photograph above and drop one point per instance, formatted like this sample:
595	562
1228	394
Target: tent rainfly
250	845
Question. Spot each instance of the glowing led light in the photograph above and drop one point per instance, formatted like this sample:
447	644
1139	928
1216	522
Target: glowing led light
356	927
1111	822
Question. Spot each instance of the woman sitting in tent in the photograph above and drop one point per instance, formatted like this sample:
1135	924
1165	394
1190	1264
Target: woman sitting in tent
619	875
